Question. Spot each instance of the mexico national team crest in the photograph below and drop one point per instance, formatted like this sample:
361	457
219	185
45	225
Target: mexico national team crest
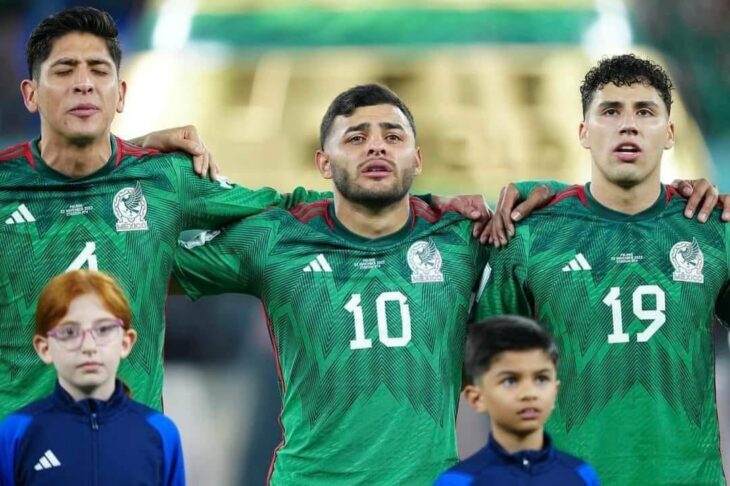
687	259
130	208
425	262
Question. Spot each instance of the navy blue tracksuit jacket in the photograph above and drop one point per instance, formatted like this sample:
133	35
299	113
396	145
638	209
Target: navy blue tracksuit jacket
57	441
494	466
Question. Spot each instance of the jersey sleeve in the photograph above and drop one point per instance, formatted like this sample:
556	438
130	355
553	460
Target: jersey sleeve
301	195
526	187
503	287
207	204
231	259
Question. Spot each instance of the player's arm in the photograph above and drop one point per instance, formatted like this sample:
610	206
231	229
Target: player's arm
230	260
182	139
702	194
503	287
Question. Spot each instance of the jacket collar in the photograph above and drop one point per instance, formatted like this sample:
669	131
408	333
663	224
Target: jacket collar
102	408
524	457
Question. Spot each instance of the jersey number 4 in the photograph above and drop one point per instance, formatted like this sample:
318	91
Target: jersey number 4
360	341
656	316
87	256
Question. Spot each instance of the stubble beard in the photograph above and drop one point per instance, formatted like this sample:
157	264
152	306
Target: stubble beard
372	199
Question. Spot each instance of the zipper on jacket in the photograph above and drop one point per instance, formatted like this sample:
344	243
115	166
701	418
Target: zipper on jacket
93	419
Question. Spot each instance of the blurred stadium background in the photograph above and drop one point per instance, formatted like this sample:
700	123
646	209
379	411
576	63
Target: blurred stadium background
493	85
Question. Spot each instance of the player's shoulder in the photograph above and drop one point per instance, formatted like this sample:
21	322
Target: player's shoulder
20	153
581	468
422	211
306	212
571	197
128	153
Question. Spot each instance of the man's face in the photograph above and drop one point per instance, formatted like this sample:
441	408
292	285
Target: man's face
626	128
517	392
77	91
371	156
92	365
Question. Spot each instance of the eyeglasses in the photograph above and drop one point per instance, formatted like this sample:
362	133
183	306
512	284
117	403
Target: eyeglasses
71	336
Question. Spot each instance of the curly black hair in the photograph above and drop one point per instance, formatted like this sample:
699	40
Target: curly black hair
625	70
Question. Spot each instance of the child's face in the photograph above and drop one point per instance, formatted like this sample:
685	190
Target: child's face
517	392
86	369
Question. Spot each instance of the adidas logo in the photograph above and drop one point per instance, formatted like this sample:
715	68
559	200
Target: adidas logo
319	264
20	215
47	461
576	264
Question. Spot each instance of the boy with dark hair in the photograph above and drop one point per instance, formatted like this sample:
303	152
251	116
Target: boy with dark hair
510	366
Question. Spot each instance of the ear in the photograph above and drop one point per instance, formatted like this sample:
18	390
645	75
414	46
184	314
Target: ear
40	344
473	396
122	96
128	340
670	136
419	161
323	163
583	135
28	89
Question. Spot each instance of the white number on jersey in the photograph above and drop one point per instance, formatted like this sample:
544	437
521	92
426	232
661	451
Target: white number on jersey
656	316
360	341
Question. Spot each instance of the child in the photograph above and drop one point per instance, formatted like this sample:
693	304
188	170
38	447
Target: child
510	366
87	431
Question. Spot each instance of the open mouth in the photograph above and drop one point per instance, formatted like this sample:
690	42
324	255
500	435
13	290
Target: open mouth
627	152
376	169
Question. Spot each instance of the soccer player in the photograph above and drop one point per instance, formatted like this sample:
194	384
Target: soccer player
79	197
367	299
628	286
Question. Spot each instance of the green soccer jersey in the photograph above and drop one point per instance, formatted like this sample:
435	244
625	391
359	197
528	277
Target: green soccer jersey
630	301
368	336
125	220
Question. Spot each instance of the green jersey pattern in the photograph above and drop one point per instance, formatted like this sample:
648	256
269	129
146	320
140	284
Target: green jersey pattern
630	302
125	220
368	336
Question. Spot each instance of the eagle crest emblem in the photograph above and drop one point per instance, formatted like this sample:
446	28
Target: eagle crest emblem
425	262
687	260
130	208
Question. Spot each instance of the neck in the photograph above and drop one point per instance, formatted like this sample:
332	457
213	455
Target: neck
100	392
627	200
75	159
371	222
513	442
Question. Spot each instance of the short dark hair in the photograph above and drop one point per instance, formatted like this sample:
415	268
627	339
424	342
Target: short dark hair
78	19
486	339
625	70
362	95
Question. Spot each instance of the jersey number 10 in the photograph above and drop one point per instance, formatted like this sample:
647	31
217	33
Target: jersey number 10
360	341
657	316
